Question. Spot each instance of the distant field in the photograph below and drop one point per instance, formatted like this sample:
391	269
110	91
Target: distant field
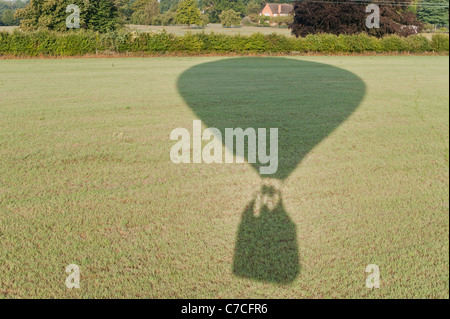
216	28
86	178
8	29
429	35
180	30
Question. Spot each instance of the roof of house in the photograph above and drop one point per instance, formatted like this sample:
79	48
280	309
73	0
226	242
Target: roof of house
285	8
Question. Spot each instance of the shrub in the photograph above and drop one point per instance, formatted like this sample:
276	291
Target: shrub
205	20
264	20
282	20
323	43
255	43
22	44
440	43
189	43
278	43
246	21
394	43
359	43
79	42
418	43
230	18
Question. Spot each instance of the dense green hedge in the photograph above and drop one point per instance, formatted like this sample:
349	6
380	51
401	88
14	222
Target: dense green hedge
86	42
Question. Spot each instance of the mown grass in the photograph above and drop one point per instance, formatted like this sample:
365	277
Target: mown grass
86	178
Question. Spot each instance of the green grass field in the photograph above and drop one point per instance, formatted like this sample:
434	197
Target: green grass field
86	178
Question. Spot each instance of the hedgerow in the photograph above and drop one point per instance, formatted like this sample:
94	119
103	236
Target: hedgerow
440	42
83	42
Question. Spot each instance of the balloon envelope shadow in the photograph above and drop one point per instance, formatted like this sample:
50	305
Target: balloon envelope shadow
306	101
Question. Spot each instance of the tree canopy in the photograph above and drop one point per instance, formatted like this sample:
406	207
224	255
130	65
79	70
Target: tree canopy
99	15
350	18
230	18
7	11
188	13
166	5
8	17
145	11
430	12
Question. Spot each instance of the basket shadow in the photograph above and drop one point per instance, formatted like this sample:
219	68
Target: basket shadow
266	249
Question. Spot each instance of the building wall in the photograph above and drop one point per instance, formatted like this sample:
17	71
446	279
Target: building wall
268	13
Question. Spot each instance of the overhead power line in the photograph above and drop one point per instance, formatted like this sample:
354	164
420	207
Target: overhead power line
380	2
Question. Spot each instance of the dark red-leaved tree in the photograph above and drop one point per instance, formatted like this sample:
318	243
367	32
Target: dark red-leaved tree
349	17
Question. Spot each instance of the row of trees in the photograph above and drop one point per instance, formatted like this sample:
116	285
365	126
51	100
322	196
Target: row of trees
430	12
164	12
98	15
331	16
214	8
151	12
188	13
7	11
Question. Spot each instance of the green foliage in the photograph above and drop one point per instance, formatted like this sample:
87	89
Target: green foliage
263	20
81	42
49	43
440	42
282	20
247	21
322	43
419	43
189	13
145	11
167	5
205	20
8	7
7	17
167	18
428	13
253	7
359	43
101	15
230	18
394	43
216	7
213	8
126	10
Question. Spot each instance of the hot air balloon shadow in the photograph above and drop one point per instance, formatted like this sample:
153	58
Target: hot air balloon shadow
306	101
